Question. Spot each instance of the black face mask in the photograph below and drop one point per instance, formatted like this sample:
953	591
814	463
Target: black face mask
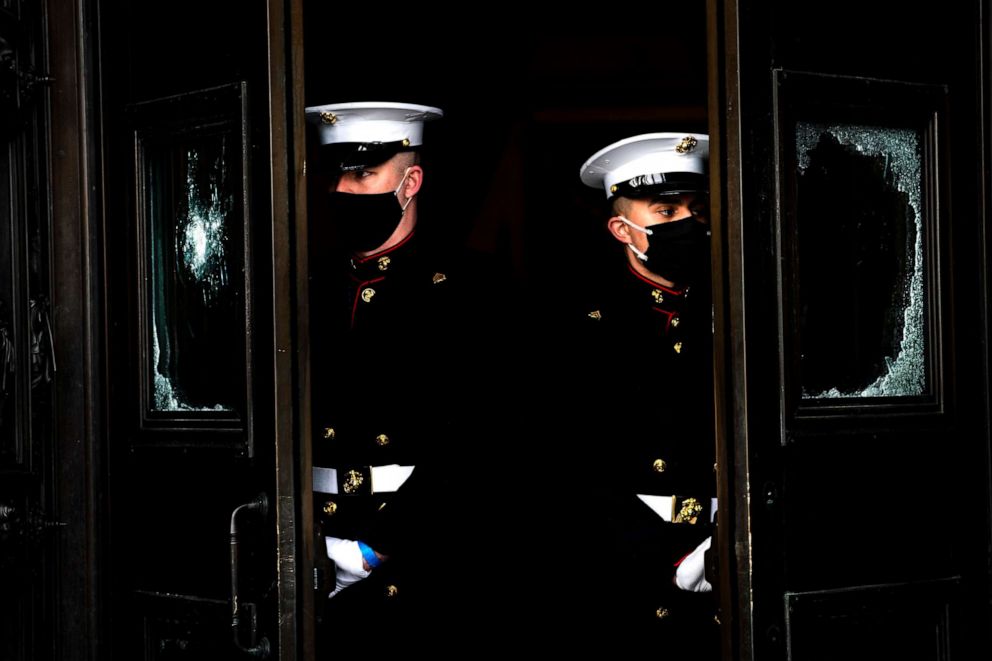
365	221
677	250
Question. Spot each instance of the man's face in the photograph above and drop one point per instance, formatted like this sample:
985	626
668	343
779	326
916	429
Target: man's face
374	207
382	178
648	211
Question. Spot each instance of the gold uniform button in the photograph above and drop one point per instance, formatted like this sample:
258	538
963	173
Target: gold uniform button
384	262
329	433
658	296
659	465
392	591
330	507
382	440
678	347
596	314
367	294
438	278
661	613
675	322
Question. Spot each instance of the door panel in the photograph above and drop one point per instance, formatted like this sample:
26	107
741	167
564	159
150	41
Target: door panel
865	371
853	329
909	621
195	537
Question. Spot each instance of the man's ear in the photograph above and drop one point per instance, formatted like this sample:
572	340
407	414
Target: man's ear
414	180
619	229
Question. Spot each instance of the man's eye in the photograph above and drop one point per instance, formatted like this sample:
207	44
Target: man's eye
665	211
365	173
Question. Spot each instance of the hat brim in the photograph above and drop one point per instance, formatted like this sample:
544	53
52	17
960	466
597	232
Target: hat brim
675	183
343	157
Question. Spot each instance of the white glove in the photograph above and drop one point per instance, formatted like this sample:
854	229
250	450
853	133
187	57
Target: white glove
691	572
347	559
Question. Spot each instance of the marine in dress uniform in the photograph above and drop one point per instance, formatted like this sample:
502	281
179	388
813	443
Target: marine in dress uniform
648	381
383	324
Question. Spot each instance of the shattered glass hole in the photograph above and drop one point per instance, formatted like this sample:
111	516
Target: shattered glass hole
861	262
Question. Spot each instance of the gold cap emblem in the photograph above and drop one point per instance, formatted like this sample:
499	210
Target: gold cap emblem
659	465
382	440
327	117
686	145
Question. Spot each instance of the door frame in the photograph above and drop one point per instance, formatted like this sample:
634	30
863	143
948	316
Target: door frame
80	624
291	356
729	340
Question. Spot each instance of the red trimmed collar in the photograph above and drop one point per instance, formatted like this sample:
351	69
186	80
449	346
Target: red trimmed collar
355	261
655	285
380	264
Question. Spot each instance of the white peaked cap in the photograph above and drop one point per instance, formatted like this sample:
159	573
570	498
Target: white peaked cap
372	122
651	161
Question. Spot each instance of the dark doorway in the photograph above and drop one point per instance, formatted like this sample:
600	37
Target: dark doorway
533	103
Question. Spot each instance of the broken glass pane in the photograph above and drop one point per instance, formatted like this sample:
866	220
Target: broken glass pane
861	262
197	274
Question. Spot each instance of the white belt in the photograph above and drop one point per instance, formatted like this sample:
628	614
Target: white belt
384	479
664	506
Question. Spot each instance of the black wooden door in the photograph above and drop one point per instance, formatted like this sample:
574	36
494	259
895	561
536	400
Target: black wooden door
853	321
29	528
200	519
